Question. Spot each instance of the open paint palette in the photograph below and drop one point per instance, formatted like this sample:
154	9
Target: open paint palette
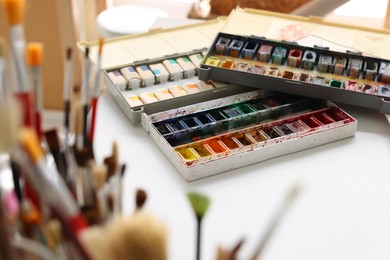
349	77
206	127
158	70
224	134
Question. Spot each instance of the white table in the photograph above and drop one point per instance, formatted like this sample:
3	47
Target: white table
343	211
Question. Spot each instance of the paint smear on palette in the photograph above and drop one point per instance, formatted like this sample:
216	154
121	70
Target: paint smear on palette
287	31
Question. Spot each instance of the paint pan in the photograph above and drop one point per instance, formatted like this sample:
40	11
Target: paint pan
319	80
147	97
259	135
216	146
384	72
174	70
325	63
284	129
369	89
227	64
202	150
304	77
230	142
134	101
177	91
222	45
294	58
242	66
163	129
132	77
336	83
232	112
204	85
354	67
196	59
244	139
163	94
351	85
370	70
257	69
270	131
311	122
246	108
324	118
384	91
188	154
279	55
272	71
147	76
118	80
339	64
160	72
217	115
205	118
250	49
192	122
191	88
264	53
235	47
177	126
213	61
187	66
299	126
308	60
287	74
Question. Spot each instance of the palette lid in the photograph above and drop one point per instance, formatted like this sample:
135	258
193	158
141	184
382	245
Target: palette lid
309	31
125	50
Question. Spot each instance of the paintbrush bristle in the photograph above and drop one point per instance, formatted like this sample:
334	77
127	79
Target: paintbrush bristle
14	10
34	53
69	53
52	139
200	203
140	198
95	241
30	142
3	47
142	236
10	121
101	42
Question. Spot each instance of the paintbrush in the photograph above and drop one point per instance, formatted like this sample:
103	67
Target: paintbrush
52	189
225	254
14	10
34	60
140	199
280	213
5	245
140	236
96	91
85	96
67	93
3	74
53	142
199	204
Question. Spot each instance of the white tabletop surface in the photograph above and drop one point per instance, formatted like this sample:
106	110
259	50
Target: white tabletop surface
343	211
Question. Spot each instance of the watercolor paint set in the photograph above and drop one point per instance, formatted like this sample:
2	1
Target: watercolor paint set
220	135
158	70
208	127
348	76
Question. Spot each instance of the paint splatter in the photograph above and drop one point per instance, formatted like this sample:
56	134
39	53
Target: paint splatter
292	32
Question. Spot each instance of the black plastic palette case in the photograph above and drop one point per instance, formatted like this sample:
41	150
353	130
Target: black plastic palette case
348	76
204	127
158	70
